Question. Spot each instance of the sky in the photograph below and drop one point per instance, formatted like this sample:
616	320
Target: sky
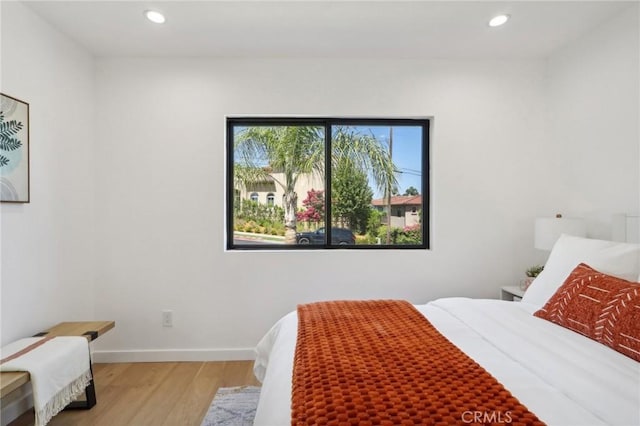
406	152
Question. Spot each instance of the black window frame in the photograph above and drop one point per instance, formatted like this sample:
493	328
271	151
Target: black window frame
326	123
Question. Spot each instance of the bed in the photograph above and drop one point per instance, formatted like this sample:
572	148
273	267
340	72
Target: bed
561	375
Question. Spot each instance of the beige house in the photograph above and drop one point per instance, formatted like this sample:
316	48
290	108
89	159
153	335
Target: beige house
405	209
270	192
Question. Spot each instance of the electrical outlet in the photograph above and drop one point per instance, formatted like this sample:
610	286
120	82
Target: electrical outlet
167	318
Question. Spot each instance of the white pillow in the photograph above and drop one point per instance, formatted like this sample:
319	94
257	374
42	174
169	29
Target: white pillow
621	260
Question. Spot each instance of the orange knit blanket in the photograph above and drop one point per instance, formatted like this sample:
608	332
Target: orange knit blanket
383	363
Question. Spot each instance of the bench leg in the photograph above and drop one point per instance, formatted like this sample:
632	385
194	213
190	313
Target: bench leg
90	393
90	390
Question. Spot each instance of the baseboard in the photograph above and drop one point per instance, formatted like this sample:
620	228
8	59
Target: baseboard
18	402
175	355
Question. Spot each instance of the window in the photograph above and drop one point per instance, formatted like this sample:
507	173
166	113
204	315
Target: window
338	183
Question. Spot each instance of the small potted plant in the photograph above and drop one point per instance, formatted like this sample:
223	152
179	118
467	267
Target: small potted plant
531	274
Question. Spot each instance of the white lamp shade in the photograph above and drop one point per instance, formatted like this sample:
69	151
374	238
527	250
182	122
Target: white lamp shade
549	229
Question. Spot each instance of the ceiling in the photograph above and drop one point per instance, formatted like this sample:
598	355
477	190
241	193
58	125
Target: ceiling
375	29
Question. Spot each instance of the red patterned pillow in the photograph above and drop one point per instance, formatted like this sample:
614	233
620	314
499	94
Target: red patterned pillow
603	308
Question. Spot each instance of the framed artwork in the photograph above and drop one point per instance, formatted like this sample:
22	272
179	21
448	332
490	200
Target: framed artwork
14	150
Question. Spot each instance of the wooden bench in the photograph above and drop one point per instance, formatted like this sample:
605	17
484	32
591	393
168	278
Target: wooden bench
10	381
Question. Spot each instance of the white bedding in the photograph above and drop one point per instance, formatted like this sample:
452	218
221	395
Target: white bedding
561	376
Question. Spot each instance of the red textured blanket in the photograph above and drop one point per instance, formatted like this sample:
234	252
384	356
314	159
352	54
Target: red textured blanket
383	363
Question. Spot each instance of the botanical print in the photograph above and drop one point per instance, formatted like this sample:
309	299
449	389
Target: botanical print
14	150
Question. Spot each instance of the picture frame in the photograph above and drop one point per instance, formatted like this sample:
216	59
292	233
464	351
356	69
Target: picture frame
14	150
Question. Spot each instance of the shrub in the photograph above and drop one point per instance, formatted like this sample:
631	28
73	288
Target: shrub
534	271
408	235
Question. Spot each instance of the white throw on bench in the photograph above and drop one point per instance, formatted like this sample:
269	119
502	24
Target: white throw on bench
59	368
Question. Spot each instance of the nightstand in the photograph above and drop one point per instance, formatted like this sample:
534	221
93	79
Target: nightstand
512	293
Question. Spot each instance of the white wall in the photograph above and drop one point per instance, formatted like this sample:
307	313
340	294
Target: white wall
160	168
511	141
593	87
47	245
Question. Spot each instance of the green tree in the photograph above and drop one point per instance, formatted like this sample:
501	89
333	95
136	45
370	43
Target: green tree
373	222
297	150
351	196
411	191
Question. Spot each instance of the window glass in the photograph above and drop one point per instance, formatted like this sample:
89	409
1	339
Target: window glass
372	195
376	174
275	159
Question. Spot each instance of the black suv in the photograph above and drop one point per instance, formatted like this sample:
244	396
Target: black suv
340	236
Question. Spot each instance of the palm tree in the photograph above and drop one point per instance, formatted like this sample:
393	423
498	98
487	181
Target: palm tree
295	151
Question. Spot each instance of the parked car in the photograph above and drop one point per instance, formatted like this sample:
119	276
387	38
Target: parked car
339	236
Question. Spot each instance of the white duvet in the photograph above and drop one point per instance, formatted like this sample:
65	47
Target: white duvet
561	376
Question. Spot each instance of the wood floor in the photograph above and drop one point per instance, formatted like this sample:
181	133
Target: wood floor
162	393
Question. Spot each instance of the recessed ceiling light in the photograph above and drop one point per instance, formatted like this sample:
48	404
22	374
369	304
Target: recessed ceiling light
154	16
496	21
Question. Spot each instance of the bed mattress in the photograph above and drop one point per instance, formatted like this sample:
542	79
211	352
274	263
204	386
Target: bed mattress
561	376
